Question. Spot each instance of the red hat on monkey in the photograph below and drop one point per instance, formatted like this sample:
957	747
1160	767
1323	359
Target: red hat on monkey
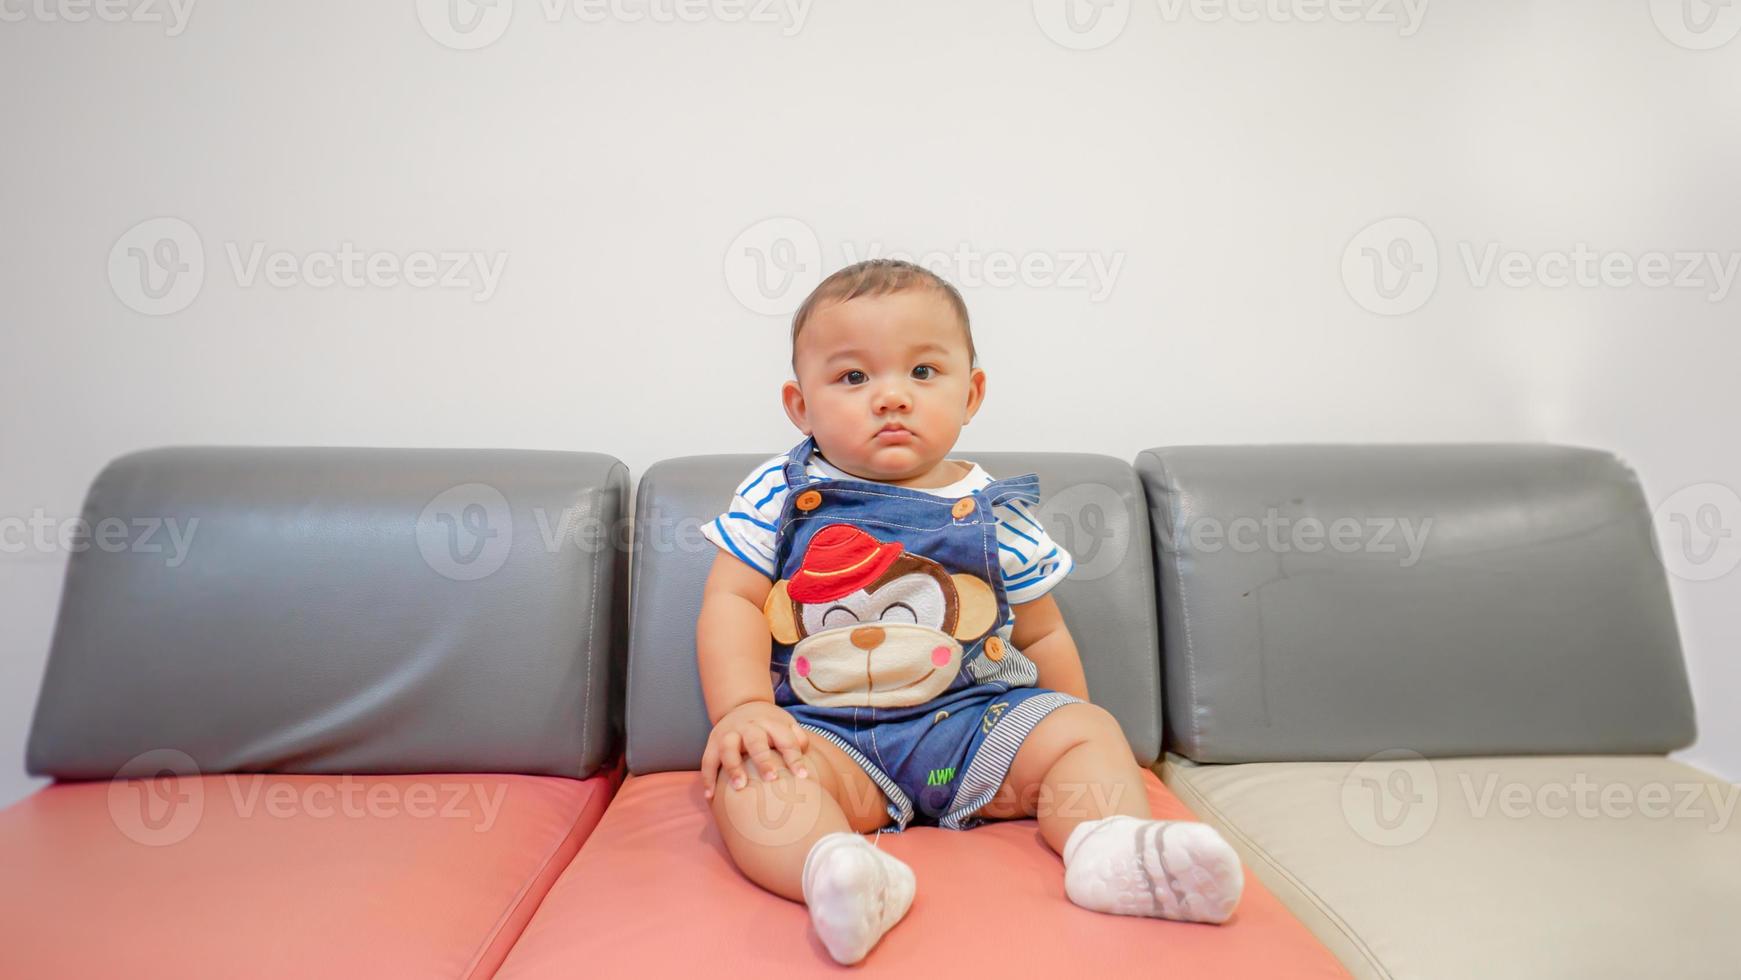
839	560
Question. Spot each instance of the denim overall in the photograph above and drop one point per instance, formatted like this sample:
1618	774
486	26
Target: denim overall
892	638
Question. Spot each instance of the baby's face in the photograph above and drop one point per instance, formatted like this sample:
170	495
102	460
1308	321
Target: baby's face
876	362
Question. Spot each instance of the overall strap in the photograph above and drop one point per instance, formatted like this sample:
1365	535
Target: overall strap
798	462
1025	488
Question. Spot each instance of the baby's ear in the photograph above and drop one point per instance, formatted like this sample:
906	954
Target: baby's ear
778	610
977	607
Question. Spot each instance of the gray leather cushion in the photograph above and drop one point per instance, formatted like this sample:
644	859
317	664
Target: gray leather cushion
1091	505
1531	615
341	611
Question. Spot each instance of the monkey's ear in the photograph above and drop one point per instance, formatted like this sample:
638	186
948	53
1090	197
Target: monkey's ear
977	604
778	610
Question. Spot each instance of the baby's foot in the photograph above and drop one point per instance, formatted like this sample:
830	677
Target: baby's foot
856	893
1169	869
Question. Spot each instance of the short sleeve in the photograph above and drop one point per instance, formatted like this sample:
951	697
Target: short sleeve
1032	562
747	527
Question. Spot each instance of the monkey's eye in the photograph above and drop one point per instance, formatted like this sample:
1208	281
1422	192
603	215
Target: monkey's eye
899	612
838	616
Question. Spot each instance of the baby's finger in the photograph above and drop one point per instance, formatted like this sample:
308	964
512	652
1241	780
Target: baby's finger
709	767
786	740
731	759
756	746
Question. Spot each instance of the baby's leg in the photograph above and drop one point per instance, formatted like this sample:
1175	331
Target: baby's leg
769	827
799	838
1093	810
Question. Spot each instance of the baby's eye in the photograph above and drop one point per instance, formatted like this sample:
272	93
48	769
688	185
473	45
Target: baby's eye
928	369
850	375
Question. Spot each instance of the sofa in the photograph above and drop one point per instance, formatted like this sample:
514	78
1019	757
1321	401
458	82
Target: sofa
1447	757
436	713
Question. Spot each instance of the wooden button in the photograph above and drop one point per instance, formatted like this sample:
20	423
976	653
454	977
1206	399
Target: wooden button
809	500
962	508
994	648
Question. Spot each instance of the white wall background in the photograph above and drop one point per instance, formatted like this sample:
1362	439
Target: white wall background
1224	165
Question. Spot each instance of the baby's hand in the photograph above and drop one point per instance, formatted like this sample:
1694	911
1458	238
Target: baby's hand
760	730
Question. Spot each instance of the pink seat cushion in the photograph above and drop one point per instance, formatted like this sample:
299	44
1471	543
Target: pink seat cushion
284	876
654	893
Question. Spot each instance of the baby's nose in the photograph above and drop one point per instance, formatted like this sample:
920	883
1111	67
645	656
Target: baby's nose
867	637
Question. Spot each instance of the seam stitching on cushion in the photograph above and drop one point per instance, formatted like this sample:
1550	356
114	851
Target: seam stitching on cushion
520	896
1230	826
1184	616
637	568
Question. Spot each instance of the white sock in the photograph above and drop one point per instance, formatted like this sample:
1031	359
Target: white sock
1169	869
856	892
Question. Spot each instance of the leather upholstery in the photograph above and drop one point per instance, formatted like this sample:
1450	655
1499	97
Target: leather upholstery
273	876
654	894
1534	616
324	618
1525	867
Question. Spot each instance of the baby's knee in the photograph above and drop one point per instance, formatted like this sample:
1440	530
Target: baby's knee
1085	722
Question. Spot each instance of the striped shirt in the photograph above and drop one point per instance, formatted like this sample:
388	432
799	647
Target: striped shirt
1032	563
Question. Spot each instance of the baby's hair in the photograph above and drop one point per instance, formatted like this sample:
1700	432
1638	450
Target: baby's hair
875	277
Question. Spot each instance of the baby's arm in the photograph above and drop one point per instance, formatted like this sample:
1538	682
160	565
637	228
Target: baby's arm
1041	636
733	650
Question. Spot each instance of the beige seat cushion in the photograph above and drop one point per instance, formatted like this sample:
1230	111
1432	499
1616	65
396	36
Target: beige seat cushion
1580	866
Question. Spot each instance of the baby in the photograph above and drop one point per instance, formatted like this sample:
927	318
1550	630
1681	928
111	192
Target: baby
878	645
